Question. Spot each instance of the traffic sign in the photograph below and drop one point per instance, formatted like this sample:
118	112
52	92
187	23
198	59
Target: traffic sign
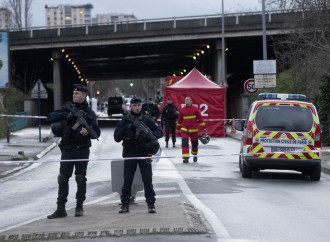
249	86
265	81
43	91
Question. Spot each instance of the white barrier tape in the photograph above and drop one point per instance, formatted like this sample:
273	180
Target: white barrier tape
158	157
116	119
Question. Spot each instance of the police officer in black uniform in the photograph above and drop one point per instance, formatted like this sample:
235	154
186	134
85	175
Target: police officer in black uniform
74	144
169	117
133	146
151	109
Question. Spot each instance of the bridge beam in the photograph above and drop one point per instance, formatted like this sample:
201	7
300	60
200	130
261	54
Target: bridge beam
57	84
218	62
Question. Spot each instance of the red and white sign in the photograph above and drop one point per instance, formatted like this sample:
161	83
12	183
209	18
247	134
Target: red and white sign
249	86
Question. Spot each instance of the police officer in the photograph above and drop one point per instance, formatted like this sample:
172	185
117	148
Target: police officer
137	146
151	109
169	116
75	145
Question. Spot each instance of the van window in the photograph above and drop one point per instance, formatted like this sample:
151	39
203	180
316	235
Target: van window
284	118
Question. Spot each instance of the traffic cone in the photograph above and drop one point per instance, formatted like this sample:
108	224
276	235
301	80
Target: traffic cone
233	129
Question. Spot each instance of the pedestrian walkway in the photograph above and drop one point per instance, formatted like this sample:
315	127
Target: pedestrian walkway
24	145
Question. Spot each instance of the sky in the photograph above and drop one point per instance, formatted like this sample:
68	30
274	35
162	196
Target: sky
147	9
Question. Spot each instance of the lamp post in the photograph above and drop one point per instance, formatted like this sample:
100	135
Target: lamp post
223	75
264	44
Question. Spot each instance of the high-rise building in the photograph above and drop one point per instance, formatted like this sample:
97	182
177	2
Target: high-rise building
5	18
68	14
114	17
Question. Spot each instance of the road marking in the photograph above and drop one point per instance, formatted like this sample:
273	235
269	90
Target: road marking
219	229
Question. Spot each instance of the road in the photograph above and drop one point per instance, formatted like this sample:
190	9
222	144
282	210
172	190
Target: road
272	206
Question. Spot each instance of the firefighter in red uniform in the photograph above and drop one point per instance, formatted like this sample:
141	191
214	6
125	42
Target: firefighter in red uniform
189	122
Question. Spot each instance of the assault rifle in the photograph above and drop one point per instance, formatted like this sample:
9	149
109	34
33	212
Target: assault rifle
81	121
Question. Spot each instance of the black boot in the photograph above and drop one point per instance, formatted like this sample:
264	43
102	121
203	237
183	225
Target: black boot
174	145
166	146
186	160
124	209
151	208
79	210
59	213
195	158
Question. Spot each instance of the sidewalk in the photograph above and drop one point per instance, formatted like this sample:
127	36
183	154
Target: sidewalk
24	144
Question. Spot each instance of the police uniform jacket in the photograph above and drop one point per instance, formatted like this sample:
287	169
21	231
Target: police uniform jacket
72	138
169	113
189	120
125	132
152	109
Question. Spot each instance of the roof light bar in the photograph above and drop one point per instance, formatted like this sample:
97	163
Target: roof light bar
282	96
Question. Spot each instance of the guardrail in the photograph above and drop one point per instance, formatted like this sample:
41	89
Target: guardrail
154	20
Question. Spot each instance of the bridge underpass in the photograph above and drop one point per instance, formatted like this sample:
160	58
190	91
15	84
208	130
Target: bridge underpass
153	54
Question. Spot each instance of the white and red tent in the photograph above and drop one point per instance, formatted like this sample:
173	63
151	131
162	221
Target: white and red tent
208	96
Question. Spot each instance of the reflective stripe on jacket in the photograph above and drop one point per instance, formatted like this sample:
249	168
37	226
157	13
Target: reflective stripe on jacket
190	119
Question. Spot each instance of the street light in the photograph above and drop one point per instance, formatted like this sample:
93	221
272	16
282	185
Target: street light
131	84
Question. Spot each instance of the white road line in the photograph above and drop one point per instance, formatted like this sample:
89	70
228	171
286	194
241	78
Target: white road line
219	229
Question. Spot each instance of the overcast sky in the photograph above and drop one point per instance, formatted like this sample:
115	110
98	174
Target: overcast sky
146	9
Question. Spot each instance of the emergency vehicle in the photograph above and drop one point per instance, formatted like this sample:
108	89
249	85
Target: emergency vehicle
281	132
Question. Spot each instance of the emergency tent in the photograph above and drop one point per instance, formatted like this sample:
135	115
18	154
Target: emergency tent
208	96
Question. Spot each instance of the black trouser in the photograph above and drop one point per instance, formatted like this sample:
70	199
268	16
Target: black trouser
66	170
170	124
146	173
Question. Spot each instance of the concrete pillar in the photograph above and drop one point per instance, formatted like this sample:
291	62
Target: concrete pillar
57	84
218	62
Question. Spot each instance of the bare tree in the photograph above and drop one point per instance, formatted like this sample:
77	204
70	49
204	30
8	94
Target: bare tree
305	52
21	9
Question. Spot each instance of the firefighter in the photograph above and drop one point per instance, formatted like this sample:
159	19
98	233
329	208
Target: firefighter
189	122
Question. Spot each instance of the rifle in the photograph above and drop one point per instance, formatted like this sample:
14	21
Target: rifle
141	128
81	121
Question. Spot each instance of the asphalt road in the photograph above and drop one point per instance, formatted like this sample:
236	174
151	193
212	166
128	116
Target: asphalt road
271	206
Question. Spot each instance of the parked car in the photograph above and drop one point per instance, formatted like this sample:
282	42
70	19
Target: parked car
127	104
115	105
281	132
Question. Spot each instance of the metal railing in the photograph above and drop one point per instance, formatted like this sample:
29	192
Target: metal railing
154	20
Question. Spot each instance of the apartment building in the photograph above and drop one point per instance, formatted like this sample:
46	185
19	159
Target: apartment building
5	18
68	14
114	17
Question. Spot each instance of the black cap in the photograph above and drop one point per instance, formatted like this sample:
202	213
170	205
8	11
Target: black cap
136	99
150	98
169	98
79	87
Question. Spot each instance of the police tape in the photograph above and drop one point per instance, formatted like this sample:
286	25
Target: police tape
103	118
160	157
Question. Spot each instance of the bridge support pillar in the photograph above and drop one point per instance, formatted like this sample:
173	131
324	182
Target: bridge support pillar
218	63
57	85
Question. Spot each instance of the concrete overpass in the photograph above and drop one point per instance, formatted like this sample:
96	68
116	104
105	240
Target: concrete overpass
153	48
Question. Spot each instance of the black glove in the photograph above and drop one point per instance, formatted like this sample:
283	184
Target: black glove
71	117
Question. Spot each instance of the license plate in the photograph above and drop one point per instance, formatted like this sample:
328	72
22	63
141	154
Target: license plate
283	149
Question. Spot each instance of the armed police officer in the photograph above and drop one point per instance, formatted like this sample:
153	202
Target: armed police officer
151	109
169	116
76	123
140	135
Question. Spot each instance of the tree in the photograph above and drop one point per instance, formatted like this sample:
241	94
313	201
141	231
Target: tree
305	50
21	12
322	101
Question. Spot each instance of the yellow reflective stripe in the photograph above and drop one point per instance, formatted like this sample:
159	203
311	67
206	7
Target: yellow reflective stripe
307	136
272	134
254	115
193	130
201	124
194	153
262	155
259	134
315	118
256	149
265	104
276	156
294	135
188	117
290	156
306	147
313	129
254	127
303	105
184	129
185	154
179	124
